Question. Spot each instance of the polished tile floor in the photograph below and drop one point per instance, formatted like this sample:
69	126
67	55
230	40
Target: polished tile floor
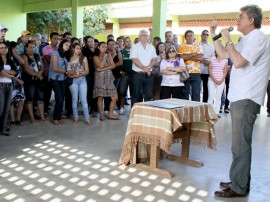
45	162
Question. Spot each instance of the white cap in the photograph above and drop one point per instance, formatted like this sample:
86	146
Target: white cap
3	27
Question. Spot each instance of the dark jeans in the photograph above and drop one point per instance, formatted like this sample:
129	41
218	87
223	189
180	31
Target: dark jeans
194	81
92	102
141	83
243	114
33	91
224	98
268	97
204	78
125	81
68	102
59	88
171	92
107	100
47	93
5	99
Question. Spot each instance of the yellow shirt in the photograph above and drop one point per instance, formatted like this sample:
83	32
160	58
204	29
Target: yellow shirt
192	66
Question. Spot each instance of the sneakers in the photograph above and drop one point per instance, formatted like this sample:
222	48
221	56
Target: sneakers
226	111
122	111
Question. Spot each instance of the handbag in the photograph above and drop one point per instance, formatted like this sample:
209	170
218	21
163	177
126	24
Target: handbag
184	75
69	81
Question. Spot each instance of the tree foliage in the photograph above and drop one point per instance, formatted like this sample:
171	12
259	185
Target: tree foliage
60	20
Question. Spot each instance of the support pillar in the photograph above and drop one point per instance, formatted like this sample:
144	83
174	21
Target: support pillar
77	19
116	27
159	19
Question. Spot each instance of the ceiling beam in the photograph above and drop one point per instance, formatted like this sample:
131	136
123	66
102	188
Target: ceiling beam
31	6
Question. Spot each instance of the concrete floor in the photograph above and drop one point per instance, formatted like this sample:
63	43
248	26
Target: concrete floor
45	162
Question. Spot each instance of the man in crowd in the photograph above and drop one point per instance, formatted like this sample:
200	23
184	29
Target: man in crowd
47	52
208	52
143	56
248	83
126	74
192	54
169	40
3	31
25	37
175	40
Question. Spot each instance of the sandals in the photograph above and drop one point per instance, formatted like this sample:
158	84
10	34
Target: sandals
88	122
113	118
19	123
12	124
55	122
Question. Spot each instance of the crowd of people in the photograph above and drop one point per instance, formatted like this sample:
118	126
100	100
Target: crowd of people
99	74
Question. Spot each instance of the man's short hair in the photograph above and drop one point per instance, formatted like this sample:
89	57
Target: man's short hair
255	12
188	31
66	33
53	34
143	31
157	38
168	32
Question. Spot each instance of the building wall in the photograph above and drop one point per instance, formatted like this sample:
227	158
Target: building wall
12	17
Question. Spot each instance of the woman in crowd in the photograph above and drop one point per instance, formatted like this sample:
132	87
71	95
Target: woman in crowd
18	97
218	68
170	69
57	75
77	70
33	76
7	72
104	80
161	53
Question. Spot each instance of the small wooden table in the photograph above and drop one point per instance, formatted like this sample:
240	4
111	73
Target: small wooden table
160	127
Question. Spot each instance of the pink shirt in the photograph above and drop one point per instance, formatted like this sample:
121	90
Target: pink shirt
218	67
47	50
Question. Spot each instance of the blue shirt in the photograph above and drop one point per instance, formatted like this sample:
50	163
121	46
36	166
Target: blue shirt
61	63
22	49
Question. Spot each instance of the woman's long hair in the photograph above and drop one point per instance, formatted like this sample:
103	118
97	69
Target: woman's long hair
97	51
9	58
61	50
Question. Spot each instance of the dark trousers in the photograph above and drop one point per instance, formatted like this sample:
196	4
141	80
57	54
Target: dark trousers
227	84
47	94
68	102
92	102
59	88
141	84
204	78
171	92
193	82
5	99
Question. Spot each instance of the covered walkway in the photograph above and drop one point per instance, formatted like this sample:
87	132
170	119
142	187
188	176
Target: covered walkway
79	163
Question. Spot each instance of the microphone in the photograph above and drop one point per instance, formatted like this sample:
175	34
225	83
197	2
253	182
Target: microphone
219	35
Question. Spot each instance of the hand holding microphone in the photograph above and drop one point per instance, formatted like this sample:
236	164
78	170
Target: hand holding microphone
223	33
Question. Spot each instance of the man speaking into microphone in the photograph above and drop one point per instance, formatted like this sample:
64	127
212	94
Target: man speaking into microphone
249	77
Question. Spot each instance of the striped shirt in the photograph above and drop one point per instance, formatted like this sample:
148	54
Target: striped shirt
218	67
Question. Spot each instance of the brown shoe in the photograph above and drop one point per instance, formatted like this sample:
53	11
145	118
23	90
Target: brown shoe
228	193
225	184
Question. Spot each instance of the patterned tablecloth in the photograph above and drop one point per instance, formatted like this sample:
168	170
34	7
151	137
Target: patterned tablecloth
155	125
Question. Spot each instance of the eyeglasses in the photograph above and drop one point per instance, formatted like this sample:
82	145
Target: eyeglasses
171	51
205	34
4	47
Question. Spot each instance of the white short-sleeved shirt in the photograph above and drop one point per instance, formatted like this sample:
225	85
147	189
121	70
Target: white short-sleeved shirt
144	55
171	80
250	81
208	52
